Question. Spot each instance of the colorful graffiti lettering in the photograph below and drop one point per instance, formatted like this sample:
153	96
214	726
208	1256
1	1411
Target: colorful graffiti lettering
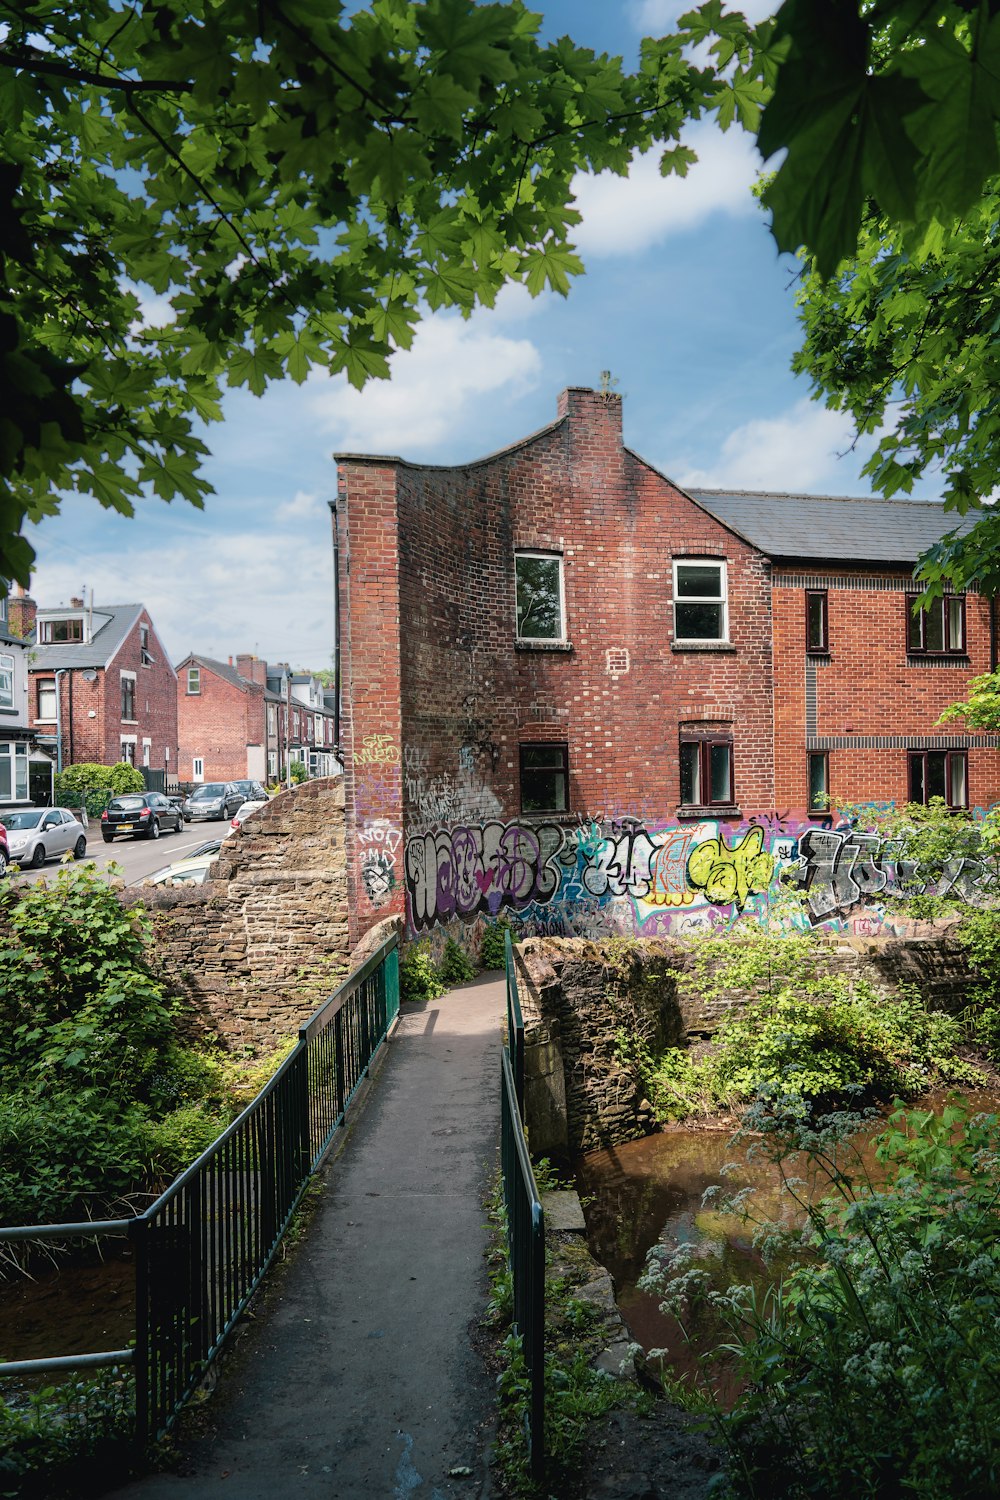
730	874
627	877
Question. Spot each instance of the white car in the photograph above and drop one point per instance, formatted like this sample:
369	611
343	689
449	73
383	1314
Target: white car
241	814
40	833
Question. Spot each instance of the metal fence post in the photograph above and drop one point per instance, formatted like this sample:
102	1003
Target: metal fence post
140	1250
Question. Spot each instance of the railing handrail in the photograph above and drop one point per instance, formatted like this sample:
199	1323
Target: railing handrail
515	1021
347	987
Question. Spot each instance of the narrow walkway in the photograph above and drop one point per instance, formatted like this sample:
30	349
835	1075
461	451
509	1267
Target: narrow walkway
359	1378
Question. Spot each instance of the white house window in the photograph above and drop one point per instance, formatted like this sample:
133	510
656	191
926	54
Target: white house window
198	769
128	751
538	582
47	701
13	772
272	719
128	695
700	600
194	680
59	632
6	681
146	751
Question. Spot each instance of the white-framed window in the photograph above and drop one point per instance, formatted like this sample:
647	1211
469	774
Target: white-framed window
128	749
198	769
6	680
13	772
60	632
193	681
701	611
47	700
128	696
147	746
272	719
272	764
144	655
539	596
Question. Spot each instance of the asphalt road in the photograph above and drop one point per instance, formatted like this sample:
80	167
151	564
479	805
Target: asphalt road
134	857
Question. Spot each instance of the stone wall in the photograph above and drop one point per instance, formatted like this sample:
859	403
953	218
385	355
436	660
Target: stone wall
577	996
257	947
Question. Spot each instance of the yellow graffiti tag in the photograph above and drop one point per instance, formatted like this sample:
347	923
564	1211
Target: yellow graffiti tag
729	875
377	750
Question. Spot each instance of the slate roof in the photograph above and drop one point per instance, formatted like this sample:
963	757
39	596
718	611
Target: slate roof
112	623
833	528
219	668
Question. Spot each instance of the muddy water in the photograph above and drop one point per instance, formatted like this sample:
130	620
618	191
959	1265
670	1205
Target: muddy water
650	1193
79	1309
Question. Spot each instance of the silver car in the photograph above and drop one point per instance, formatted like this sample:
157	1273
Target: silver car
214	799
41	833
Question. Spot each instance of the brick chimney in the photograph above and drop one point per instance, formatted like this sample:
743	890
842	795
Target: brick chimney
21	612
253	669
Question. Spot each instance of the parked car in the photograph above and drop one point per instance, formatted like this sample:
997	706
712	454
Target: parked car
142	814
215	799
192	871
4	856
243	812
252	791
40	833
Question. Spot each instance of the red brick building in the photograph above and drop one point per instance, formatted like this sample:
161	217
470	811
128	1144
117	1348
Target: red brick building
101	687
575	693
246	719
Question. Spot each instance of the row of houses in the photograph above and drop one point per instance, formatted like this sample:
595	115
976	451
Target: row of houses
565	674
93	683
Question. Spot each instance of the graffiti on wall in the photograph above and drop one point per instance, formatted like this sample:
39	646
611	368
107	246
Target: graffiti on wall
379	842
658	880
462	796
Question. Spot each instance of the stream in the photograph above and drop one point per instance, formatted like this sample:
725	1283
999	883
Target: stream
650	1192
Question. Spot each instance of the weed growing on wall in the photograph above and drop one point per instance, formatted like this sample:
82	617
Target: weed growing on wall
418	974
492	946
455	967
830	1040
873	1368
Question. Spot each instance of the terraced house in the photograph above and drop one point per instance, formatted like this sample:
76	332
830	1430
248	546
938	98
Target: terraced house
576	692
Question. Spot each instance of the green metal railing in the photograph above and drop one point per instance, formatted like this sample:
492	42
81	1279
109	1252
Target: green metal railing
525	1221
202	1248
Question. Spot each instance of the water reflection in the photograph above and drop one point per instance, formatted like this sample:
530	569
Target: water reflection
650	1193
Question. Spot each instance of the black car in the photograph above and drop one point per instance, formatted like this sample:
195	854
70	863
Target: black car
142	814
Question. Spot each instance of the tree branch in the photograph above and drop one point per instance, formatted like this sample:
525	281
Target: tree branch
31	61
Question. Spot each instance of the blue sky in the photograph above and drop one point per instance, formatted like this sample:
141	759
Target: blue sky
685	301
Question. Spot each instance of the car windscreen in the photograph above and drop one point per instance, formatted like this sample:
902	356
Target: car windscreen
126	804
22	819
213	789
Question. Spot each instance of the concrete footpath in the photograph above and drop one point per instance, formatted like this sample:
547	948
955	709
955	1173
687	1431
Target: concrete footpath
358	1376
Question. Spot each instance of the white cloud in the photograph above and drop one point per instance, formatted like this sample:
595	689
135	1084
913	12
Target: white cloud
794	452
629	215
438	385
654	17
303	505
268	591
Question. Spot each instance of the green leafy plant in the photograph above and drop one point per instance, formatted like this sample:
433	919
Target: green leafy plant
455	966
873	1368
69	1439
492	944
418	974
298	772
94	785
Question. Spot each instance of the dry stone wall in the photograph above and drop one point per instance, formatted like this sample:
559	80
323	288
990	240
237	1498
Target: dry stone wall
577	996
257	947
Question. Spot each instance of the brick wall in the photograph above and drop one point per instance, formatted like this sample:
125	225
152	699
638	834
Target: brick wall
868	687
217	724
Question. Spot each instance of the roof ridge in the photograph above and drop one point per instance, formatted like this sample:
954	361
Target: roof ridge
808	495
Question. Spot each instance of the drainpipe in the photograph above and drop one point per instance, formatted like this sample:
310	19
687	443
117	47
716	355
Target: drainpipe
59	674
993	633
336	631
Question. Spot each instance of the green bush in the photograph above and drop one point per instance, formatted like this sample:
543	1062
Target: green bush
456	967
492	945
418	975
873	1369
70	1439
298	772
97	783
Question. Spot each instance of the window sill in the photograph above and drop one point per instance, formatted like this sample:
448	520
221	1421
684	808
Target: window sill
720	810
547	817
938	659
719	646
521	645
816	655
10	713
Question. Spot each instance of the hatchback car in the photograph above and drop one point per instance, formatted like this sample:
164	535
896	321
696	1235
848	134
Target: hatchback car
142	814
190	871
243	812
40	833
215	799
252	791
